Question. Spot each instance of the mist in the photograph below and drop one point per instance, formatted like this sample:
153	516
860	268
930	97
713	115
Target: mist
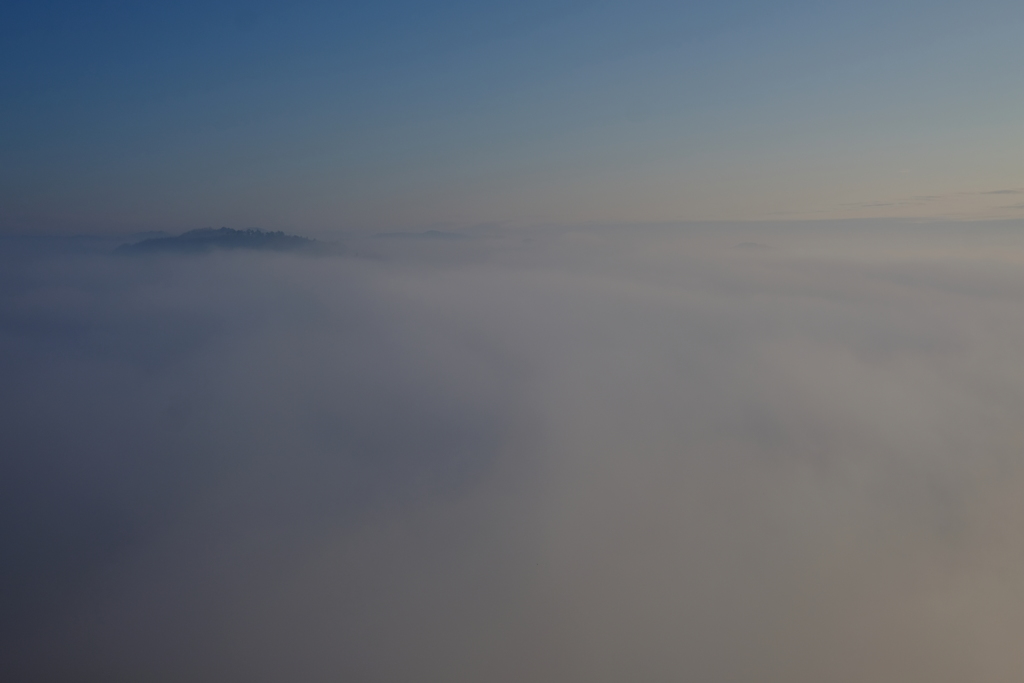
714	453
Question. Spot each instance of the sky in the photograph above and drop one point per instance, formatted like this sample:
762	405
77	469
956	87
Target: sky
319	118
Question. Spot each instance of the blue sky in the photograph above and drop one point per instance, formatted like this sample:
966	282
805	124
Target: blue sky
317	117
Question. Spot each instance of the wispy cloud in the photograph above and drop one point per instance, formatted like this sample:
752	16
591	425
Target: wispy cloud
934	200
911	201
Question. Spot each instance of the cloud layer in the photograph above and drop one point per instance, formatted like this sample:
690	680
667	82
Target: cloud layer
593	455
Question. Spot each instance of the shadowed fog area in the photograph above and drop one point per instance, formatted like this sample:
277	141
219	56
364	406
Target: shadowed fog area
714	453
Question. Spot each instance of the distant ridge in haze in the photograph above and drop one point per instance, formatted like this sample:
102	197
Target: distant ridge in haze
207	239
427	235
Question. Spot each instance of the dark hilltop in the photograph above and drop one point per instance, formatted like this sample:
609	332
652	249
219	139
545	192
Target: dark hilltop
208	239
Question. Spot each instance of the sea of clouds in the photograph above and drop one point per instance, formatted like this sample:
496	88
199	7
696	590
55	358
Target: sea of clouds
715	454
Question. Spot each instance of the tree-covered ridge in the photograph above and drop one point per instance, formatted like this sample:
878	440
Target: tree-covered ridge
206	239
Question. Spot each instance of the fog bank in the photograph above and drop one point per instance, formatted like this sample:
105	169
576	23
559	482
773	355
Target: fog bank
705	453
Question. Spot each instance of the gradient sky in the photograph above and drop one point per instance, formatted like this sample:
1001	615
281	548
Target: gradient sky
313	117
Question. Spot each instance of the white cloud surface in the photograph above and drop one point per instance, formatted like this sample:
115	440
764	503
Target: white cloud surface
582	455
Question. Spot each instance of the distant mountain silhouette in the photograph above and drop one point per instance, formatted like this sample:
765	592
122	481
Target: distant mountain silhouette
207	239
